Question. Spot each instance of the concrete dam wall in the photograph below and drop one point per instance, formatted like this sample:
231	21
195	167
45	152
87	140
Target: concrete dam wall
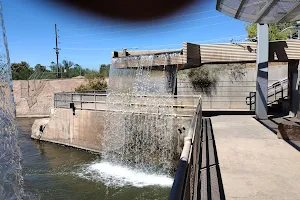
83	130
35	97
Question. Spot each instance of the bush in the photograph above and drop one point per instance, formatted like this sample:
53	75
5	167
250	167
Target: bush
203	79
95	81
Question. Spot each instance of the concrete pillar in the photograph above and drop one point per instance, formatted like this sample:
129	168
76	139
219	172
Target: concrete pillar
261	107
293	81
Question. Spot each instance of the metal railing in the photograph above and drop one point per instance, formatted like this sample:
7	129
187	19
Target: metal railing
276	91
185	183
184	105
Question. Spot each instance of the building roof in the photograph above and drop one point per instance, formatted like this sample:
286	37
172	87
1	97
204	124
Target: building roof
261	11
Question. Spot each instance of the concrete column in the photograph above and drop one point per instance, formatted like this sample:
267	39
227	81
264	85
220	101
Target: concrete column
293	93
261	106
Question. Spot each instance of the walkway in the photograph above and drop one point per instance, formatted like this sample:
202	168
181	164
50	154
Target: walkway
255	165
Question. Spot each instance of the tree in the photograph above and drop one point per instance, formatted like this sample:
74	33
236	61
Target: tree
39	68
104	70
75	71
21	71
67	65
275	30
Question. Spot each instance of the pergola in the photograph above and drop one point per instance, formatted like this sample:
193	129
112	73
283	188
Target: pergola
261	11
264	12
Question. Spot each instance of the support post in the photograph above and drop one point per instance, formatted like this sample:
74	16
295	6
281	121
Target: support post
261	107
293	94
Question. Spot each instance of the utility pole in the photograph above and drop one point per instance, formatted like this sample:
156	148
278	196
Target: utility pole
57	50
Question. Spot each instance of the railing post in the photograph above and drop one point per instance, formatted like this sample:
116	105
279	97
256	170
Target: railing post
54	100
250	101
275	93
95	100
65	100
281	91
81	101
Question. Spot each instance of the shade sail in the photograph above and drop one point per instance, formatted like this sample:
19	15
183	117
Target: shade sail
261	11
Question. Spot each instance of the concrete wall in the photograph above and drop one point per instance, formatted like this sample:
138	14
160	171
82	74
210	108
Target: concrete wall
83	130
230	92
35	97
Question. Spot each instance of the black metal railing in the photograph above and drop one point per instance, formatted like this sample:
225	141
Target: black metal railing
276	91
185	184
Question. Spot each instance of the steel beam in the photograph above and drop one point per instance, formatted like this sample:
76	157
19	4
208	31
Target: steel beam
289	13
218	4
239	9
265	10
293	94
261	107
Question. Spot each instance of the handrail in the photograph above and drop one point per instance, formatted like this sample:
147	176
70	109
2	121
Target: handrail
183	182
89	101
276	88
100	94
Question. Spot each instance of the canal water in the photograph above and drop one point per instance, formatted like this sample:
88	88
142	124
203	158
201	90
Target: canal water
53	172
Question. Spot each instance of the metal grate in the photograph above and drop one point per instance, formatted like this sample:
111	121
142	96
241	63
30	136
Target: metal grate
258	11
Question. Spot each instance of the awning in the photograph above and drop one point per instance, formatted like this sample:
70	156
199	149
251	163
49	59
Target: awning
261	11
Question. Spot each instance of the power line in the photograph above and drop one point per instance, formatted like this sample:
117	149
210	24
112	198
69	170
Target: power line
142	47
118	25
152	33
143	28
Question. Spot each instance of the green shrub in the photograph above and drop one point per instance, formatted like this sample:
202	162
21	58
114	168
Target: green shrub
203	79
95	81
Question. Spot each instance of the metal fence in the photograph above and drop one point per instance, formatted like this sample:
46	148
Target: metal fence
184	186
183	105
82	101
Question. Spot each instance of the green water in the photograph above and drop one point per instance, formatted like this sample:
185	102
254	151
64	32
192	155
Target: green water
51	172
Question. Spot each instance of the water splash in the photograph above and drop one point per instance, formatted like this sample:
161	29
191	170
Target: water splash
118	176
139	130
10	169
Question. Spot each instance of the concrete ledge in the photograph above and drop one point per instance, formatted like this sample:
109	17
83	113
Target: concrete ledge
67	144
288	132
33	116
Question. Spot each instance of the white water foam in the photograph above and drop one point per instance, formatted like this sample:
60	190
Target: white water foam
119	176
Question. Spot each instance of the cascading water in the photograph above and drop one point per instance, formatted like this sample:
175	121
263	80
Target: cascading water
139	129
10	168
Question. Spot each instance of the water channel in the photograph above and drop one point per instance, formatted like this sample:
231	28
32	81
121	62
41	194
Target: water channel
56	172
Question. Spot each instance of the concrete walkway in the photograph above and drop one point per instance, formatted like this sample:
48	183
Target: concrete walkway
255	165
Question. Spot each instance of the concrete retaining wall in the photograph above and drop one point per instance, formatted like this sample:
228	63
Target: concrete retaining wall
83	130
35	97
230	92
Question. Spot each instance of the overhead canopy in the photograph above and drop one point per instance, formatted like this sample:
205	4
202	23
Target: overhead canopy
261	11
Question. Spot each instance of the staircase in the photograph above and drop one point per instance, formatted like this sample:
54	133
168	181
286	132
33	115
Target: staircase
277	96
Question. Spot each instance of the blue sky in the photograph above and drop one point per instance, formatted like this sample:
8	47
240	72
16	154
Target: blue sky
89	41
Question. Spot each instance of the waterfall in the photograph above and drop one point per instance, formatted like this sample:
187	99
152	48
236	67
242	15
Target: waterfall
10	169
139	130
